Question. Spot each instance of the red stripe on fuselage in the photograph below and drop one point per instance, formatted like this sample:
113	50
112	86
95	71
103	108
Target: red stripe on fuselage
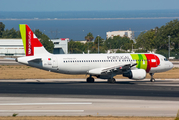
150	61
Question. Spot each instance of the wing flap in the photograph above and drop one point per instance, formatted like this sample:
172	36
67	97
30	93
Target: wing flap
108	70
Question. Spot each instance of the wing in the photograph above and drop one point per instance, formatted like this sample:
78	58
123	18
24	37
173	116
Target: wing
119	69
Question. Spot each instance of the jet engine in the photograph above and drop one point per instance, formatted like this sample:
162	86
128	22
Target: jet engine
137	74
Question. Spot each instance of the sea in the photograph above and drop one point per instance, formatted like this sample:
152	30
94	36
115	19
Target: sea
77	24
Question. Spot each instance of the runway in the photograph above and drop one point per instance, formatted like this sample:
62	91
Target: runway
76	97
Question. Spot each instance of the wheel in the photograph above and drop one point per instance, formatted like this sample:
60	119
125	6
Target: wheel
90	80
111	80
152	80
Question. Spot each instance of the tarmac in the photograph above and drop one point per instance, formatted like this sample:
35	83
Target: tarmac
75	97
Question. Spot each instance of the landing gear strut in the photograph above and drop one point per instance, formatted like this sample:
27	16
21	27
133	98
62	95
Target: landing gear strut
111	80
152	79
90	80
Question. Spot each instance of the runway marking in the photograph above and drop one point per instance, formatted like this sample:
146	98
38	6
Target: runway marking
166	84
41	111
45	103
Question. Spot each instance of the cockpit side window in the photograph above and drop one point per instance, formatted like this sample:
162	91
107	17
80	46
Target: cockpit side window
165	59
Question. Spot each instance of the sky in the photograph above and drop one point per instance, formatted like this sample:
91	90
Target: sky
87	5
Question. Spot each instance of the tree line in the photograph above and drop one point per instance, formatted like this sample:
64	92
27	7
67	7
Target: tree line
116	42
160	38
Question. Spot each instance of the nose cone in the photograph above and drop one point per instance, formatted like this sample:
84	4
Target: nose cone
170	65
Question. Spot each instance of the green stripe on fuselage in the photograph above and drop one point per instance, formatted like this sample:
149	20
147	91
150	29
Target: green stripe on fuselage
135	57
141	60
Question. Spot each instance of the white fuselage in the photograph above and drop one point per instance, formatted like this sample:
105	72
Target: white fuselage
82	63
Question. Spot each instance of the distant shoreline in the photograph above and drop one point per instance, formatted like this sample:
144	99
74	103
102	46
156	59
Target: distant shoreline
34	19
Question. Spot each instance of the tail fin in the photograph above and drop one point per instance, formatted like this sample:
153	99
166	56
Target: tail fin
32	46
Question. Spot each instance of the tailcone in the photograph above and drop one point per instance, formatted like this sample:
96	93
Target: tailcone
170	65
16	59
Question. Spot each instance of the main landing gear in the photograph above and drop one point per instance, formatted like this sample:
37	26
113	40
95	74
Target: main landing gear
90	80
152	79
111	80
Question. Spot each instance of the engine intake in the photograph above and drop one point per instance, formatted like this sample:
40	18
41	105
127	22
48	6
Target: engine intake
138	74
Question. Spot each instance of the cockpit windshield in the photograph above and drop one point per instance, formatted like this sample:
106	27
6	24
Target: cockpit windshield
165	59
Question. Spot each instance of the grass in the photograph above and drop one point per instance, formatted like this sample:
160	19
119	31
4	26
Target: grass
85	118
14	115
26	72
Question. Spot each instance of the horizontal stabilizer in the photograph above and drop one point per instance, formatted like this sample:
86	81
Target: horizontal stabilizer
37	60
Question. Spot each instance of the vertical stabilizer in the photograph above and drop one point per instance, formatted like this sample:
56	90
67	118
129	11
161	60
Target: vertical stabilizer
32	46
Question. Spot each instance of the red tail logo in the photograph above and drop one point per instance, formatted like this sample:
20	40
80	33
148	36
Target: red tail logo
31	42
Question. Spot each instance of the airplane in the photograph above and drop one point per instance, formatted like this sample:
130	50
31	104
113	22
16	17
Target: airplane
135	66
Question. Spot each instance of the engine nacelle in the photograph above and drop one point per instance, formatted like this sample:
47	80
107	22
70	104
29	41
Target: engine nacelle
137	74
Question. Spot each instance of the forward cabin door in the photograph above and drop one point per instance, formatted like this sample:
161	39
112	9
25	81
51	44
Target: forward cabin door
54	62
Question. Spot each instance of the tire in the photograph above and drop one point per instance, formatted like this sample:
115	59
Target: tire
152	80
90	80
112	80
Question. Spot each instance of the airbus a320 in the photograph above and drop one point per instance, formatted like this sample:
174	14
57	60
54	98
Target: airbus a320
104	66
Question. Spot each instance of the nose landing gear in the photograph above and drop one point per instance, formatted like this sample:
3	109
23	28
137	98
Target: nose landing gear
152	79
